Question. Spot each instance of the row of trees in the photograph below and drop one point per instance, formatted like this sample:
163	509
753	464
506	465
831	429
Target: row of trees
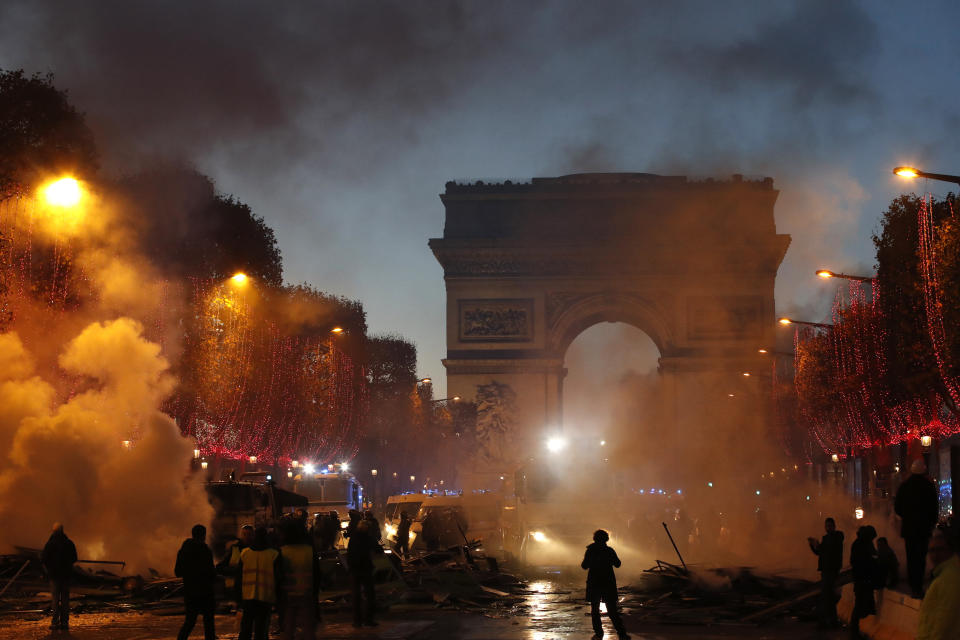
261	370
888	369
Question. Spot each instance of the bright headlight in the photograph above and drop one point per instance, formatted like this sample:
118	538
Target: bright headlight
538	536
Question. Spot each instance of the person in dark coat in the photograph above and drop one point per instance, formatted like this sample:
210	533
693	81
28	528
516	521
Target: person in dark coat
58	557
403	534
863	565
918	505
829	552
889	566
195	566
599	560
360	566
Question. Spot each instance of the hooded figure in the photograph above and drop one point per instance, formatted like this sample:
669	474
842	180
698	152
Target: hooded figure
195	566
57	558
918	506
599	560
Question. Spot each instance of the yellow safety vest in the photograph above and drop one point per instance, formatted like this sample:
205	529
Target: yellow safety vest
231	580
296	562
258	582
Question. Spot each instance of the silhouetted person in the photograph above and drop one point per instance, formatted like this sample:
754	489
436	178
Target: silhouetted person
403	534
889	566
259	577
918	505
300	583
940	609
374	525
829	561
599	561
229	566
355	518
863	565
195	566
58	557
360	565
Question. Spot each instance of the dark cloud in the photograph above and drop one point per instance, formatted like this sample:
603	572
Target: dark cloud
340	121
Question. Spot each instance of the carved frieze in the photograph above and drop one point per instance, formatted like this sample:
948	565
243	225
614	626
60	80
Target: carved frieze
496	320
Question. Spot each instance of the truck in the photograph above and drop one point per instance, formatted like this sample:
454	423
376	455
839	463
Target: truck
238	503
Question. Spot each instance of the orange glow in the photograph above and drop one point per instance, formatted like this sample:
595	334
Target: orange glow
746	374
823	273
239	279
455	398
762	351
64	192
785	321
906	172
337	330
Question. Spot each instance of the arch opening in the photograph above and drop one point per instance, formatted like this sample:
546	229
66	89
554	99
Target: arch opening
611	369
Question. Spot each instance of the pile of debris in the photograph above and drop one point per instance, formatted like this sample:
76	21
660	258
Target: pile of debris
677	594
98	585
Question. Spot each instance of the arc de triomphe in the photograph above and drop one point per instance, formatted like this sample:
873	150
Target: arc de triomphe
529	266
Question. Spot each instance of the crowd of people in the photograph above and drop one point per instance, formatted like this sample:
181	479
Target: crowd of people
278	569
874	564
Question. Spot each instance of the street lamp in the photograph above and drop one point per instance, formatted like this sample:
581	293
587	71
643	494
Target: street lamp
556	444
826	274
789	321
239	278
336	330
64	192
450	399
913	172
789	354
425	381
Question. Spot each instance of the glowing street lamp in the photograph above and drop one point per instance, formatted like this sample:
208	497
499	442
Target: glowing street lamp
373	472
826	274
336	331
913	172
65	192
239	279
204	465
253	459
820	325
196	454
926	442
425	381
556	444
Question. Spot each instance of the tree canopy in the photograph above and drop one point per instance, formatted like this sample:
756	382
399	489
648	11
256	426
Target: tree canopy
41	134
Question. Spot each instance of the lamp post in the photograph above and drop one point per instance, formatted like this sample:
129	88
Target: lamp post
826	274
913	172
450	399
819	325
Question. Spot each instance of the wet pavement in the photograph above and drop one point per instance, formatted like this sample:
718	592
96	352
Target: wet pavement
551	608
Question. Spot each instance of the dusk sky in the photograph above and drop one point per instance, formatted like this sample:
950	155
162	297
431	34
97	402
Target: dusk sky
340	122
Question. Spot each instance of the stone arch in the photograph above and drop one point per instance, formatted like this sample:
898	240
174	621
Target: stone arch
588	309
530	265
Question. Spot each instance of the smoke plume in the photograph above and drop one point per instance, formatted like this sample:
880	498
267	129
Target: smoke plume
106	462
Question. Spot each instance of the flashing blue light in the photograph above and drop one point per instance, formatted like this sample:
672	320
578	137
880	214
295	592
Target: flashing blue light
662	492
653	490
679	492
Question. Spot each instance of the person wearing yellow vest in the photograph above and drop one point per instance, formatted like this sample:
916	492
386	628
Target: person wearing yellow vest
939	613
300	583
259	577
229	566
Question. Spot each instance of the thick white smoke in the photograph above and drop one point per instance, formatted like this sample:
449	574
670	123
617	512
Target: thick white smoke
66	460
